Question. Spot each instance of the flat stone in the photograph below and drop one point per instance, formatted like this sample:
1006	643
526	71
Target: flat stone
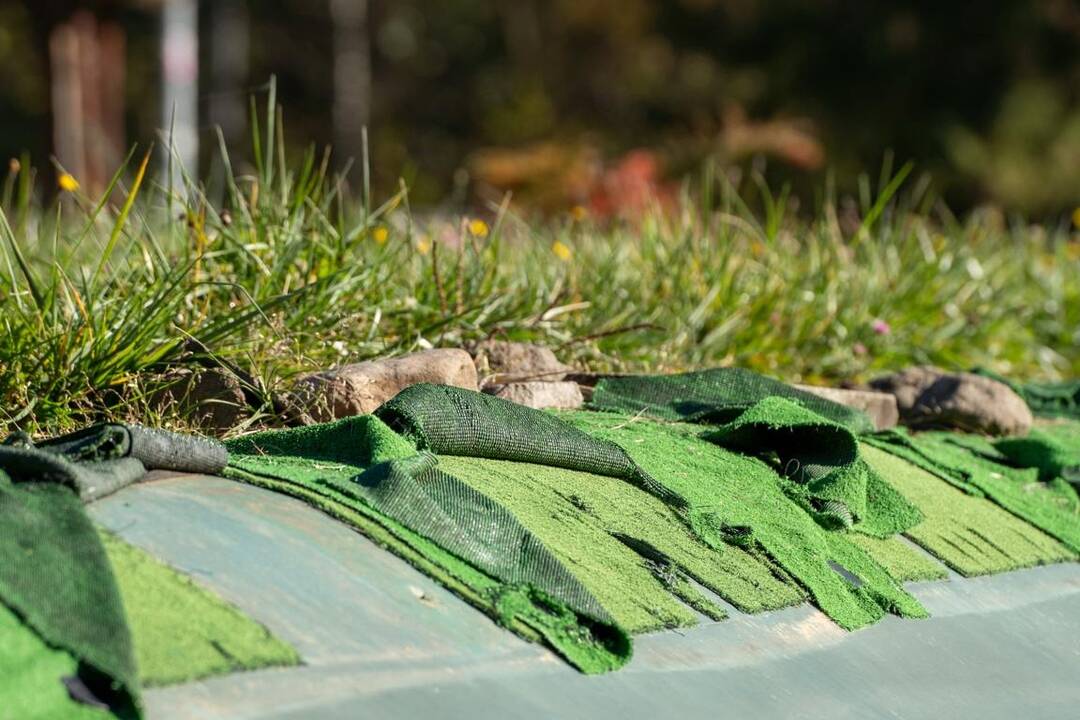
930	397
360	388
880	407
501	362
540	395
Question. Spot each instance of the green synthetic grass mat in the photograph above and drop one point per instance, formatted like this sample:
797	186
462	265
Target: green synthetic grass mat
972	464
181	631
625	545
1052	448
55	576
1046	399
743	500
968	533
903	562
362	471
31	670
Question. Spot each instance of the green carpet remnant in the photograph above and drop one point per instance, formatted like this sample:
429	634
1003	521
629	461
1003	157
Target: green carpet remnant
1046	399
31	674
739	502
712	396
55	576
181	631
970	464
363	465
1053	449
970	534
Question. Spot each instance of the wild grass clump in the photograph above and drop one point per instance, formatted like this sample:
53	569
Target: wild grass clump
287	271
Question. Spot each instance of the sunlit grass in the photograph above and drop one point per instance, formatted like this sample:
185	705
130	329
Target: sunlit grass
288	273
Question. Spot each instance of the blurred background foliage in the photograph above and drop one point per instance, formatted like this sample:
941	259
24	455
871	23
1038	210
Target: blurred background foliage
581	103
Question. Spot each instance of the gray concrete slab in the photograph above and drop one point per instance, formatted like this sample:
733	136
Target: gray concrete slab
379	639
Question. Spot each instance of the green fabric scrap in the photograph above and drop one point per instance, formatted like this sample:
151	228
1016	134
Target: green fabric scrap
181	631
969	533
741	500
362	464
820	462
451	421
55	577
30	676
1046	399
903	562
712	396
630	550
1050	506
1052	449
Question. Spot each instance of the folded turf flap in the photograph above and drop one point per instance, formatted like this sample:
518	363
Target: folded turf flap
55	576
364	465
712	396
450	421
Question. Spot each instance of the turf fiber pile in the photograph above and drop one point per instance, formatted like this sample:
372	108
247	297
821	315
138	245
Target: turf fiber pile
669	500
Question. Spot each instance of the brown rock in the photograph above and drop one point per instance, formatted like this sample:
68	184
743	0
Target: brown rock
503	362
360	388
213	398
540	395
880	407
929	397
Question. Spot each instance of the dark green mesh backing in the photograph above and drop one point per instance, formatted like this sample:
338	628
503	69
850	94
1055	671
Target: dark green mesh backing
1045	399
365	465
973	465
451	421
711	396
809	440
101	459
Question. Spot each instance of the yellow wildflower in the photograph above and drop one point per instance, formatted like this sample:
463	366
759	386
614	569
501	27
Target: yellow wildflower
1076	218
380	234
579	213
478	228
67	182
423	245
561	250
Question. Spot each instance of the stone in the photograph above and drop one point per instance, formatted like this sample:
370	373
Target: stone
500	362
360	388
212	398
540	395
879	406
930	397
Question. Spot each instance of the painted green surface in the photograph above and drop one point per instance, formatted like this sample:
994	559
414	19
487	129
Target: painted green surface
180	631
970	534
30	677
730	493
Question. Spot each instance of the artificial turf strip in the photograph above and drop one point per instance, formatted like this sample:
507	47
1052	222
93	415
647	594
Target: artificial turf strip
627	547
30	676
181	631
968	533
1053	449
1052	506
741	500
903	562
360	471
